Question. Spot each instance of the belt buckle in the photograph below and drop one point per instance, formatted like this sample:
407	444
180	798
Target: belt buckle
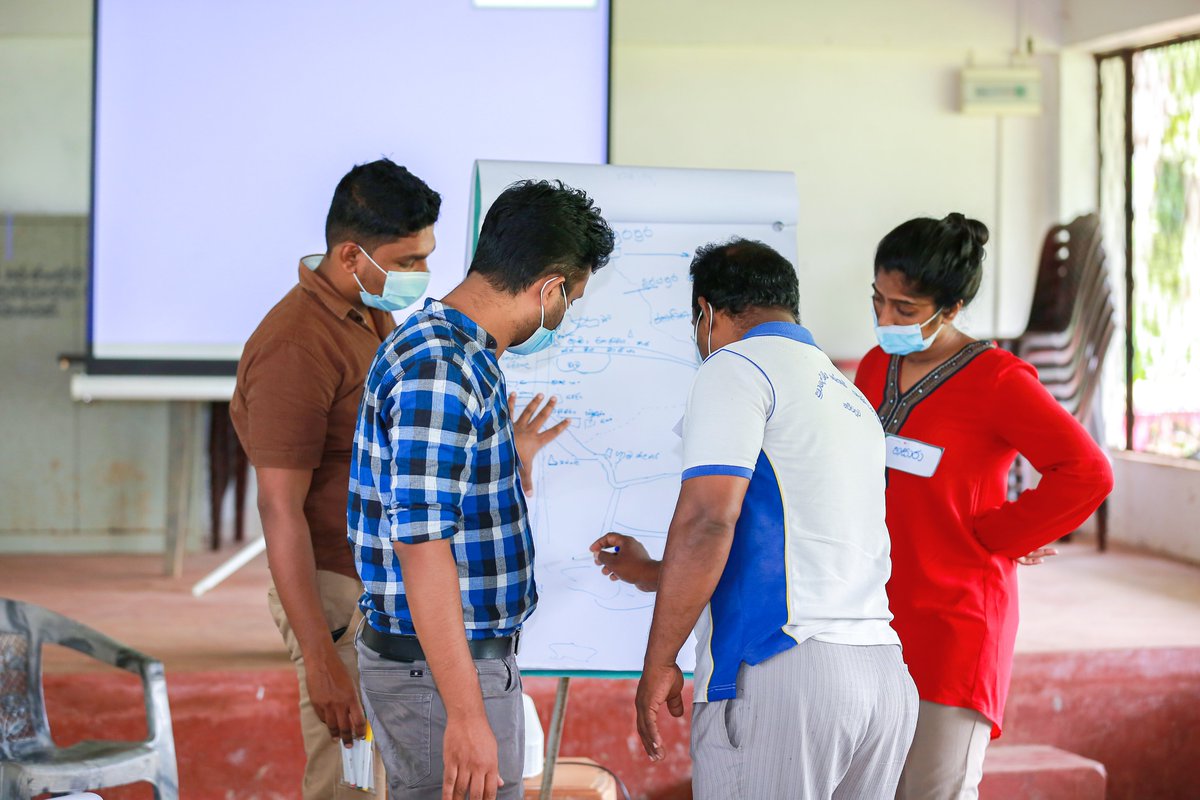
517	642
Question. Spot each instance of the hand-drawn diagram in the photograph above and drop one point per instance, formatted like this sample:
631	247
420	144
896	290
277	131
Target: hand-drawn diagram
621	369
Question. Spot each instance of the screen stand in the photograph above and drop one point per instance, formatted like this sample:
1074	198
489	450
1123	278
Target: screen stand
180	461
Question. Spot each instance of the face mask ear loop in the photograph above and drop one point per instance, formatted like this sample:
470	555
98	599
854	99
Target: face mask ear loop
940	312
360	286
363	250
374	263
710	323
542	300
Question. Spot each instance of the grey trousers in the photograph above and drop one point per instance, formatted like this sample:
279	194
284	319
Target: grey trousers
408	719
817	722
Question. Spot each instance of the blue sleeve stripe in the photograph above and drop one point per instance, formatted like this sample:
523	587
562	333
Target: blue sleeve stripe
718	469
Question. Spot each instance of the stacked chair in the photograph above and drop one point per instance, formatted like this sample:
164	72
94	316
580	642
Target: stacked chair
30	762
1071	325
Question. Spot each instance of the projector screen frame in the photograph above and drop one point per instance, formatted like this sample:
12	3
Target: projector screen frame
212	367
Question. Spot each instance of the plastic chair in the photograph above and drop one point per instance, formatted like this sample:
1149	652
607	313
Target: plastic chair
30	762
1071	324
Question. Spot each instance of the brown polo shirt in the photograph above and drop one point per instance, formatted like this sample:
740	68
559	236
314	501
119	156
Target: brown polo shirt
299	383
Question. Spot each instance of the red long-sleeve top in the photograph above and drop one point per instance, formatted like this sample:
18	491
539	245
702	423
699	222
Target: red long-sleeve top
955	536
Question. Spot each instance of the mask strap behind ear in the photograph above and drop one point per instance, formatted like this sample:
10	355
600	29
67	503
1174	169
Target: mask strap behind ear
363	250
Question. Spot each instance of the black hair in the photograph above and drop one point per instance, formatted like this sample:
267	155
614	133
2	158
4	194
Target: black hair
742	274
537	227
377	203
942	259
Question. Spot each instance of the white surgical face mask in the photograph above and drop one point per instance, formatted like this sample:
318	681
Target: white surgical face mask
900	340
400	289
543	337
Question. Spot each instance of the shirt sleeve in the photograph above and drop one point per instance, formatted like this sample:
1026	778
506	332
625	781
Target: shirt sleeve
726	418
285	397
1076	475
432	416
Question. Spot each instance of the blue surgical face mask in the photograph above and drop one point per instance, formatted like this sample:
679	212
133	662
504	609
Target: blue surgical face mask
900	340
400	289
543	337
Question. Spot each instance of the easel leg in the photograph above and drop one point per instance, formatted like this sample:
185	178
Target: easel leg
557	717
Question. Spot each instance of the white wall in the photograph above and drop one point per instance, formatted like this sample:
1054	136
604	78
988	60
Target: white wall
1099	25
859	99
1079	165
45	106
1156	504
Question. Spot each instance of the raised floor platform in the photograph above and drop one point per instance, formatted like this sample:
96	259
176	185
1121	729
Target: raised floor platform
1040	772
1108	668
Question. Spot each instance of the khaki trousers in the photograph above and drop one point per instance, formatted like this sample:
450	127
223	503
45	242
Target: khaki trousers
323	769
945	761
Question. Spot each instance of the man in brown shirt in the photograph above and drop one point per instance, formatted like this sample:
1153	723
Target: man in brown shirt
299	383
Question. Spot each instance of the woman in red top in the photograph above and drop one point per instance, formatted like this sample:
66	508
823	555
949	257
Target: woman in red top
957	411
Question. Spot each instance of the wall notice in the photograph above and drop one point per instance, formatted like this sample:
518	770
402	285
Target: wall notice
39	291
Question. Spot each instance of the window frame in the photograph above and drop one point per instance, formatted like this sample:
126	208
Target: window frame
1126	55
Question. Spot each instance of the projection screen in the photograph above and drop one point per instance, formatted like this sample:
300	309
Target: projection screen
222	128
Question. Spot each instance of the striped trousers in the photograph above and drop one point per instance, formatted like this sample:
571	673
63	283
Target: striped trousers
819	721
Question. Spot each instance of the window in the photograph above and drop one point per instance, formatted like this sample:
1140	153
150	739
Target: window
1150	208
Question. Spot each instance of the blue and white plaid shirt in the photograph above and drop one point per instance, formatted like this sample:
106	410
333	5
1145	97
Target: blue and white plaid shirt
434	458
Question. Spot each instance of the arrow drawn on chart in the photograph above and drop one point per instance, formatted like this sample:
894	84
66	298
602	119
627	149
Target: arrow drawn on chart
670	255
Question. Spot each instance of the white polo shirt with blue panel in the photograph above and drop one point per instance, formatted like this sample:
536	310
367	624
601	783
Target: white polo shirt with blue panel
810	555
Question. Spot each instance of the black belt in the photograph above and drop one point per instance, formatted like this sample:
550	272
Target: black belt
407	648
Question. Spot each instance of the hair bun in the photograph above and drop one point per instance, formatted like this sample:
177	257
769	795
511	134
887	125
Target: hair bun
974	228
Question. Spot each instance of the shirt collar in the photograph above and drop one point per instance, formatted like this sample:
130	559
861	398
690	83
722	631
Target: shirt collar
436	308
788	330
319	287
315	284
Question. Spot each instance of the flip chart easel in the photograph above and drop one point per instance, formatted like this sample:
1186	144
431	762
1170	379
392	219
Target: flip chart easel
617	467
557	718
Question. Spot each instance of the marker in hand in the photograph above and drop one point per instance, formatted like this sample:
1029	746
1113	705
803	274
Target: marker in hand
592	556
621	557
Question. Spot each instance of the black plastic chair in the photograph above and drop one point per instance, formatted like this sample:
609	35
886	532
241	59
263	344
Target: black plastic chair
1071	324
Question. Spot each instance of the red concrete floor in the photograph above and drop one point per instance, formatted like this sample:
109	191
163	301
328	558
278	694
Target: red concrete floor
1108	667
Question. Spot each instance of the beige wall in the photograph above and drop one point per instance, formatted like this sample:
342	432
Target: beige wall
860	101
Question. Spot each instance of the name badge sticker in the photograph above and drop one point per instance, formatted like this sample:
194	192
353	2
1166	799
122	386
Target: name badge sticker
914	457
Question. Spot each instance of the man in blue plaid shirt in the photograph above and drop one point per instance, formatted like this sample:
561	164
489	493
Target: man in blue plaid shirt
436	513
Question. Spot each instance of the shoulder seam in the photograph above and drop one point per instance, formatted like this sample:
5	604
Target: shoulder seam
767	377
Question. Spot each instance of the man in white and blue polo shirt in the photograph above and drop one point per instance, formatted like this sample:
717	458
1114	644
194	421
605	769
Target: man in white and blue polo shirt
778	555
437	517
